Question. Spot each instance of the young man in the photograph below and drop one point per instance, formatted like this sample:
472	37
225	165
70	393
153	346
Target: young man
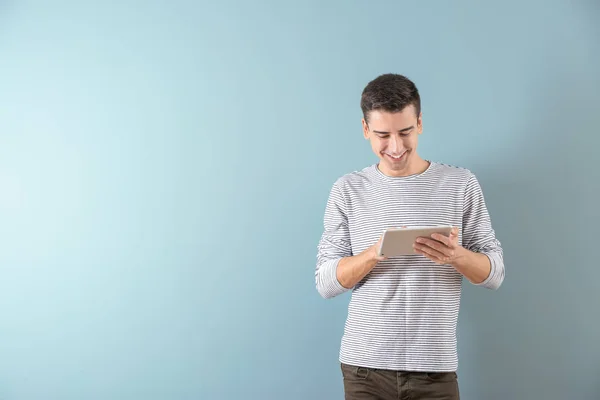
400	335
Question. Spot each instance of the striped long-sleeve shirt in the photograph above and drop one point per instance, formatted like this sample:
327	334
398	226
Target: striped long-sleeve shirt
402	315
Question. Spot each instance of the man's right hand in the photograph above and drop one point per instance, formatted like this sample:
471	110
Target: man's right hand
351	270
374	250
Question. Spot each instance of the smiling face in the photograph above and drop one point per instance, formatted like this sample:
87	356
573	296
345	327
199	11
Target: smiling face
394	137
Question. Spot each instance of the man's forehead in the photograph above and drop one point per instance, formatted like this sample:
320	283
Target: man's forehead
396	121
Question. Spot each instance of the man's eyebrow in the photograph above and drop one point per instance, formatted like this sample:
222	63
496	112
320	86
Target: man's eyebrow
400	131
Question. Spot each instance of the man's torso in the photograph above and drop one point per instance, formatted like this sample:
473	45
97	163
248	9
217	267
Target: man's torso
403	314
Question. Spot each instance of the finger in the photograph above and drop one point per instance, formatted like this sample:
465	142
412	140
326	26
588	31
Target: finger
429	256
434	244
442	238
432	252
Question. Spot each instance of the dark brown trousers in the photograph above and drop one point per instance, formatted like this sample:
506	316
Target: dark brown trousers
377	384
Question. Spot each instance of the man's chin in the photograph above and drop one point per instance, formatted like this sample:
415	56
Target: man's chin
396	166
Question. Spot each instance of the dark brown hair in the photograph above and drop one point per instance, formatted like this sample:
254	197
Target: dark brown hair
391	93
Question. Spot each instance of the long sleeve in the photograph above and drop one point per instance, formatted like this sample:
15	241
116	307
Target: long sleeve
333	245
478	234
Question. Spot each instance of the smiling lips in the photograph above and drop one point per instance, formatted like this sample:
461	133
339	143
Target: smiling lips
396	157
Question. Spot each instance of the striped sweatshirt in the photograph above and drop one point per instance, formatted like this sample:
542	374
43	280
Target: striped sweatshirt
402	315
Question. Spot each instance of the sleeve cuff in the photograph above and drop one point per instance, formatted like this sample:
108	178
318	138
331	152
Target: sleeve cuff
496	275
328	284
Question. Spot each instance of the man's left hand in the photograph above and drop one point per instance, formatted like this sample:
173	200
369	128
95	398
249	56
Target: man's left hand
439	248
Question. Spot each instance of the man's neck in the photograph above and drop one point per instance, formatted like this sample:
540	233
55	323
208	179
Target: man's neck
416	167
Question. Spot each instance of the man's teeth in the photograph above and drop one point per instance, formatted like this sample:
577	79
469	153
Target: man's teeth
395	156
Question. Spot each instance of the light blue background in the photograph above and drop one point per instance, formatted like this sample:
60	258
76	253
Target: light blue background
138	138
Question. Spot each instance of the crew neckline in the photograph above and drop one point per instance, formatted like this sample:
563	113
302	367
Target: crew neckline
379	173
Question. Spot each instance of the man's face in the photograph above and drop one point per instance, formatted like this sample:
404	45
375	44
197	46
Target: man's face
394	138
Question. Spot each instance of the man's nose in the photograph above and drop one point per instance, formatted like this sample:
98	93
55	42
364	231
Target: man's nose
395	143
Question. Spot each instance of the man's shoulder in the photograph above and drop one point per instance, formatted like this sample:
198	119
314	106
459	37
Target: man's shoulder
454	171
354	177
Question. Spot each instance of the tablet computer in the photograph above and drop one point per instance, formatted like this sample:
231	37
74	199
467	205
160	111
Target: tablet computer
399	241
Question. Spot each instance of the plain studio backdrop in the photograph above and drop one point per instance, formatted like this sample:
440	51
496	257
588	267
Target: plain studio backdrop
164	168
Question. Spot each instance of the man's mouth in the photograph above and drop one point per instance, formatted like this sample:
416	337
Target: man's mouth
395	157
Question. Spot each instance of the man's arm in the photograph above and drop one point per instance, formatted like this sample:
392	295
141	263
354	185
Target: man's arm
333	246
479	239
480	258
351	270
476	267
338	270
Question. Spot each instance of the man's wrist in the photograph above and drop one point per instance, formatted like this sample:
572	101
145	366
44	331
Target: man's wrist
461	258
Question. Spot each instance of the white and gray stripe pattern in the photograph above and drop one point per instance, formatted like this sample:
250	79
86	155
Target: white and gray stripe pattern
403	314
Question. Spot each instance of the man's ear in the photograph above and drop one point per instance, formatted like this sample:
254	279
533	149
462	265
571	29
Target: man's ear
365	129
420	123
